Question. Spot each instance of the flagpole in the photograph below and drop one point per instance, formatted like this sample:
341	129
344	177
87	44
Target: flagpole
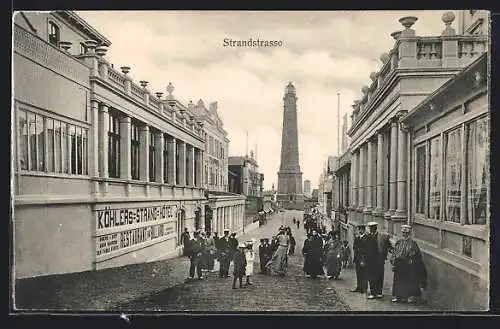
338	123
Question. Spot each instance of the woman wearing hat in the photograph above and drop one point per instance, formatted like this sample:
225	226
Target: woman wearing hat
410	274
333	250
279	262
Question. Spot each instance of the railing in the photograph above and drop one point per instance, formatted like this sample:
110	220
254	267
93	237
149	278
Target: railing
428	54
137	91
429	48
116	78
154	102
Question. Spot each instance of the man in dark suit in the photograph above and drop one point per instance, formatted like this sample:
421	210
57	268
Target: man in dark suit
377	247
359	260
225	254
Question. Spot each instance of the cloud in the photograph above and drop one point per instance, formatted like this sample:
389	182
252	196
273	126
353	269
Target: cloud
323	53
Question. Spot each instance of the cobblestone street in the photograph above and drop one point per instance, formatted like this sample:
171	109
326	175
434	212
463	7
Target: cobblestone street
268	293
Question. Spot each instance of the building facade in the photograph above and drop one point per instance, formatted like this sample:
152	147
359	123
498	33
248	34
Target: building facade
249	183
111	173
223	209
307	188
382	154
290	193
450	190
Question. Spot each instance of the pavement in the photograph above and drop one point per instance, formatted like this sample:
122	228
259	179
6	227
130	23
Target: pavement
162	285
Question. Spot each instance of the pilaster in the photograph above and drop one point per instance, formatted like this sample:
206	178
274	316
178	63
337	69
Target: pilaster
125	148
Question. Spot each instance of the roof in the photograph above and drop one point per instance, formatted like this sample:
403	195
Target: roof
74	19
240	160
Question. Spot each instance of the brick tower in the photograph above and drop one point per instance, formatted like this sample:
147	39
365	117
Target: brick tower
290	194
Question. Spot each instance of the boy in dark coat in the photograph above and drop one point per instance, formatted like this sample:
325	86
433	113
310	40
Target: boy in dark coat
239	263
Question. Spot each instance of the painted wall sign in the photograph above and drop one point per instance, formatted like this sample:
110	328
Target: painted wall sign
106	244
108	218
118	229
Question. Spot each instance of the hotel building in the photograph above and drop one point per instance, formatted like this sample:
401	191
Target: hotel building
105	173
418	155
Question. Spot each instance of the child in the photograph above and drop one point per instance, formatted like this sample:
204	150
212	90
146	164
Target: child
250	257
239	263
346	254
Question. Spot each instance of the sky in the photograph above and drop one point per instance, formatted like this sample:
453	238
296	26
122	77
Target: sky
323	53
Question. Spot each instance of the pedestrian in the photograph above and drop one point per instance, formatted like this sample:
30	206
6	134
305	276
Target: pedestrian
239	264
268	254
204	262
195	256
262	256
333	261
298	224
313	255
234	243
211	251
291	250
185	239
346	254
378	245
277	265
359	260
225	254
250	257
410	275
294	220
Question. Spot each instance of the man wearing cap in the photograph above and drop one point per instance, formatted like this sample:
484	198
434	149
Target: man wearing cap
377	246
410	275
225	254
359	260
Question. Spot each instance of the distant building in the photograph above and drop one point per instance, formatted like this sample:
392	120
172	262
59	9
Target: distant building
223	209
248	182
307	188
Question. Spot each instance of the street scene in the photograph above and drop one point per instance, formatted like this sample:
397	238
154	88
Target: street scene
218	161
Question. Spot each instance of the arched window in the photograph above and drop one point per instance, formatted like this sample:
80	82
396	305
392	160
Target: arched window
54	34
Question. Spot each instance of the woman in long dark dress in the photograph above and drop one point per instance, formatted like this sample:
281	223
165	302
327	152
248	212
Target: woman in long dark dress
313	255
333	259
410	275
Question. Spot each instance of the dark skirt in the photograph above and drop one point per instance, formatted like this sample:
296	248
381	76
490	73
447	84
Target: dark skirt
406	283
313	265
333	264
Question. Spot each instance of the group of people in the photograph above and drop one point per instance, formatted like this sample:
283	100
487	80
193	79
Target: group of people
274	255
371	251
325	255
203	250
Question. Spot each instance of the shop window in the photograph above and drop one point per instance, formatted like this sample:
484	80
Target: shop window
152	153
478	171
135	147
187	166
165	160
453	182
114	146
435	179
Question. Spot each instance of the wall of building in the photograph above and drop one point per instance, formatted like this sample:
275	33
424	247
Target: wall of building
58	210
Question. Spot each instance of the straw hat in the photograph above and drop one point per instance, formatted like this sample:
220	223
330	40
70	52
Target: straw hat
242	245
372	224
405	228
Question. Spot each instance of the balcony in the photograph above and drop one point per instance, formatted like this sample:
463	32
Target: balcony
411	52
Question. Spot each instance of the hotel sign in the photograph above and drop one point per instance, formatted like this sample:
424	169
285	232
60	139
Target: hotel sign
129	228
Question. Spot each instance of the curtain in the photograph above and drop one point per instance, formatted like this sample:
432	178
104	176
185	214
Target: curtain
478	171
453	175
